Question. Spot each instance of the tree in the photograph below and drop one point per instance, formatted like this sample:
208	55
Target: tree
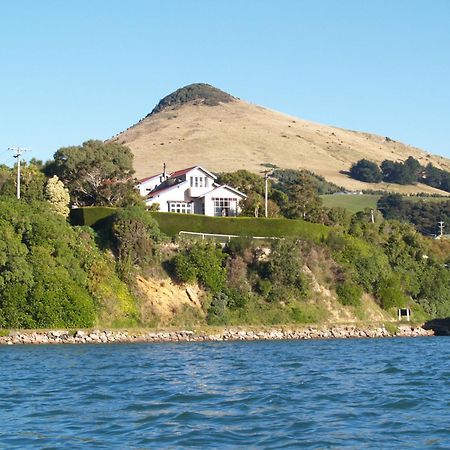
96	173
367	171
243	180
202	262
285	272
136	235
32	182
414	168
401	173
57	195
392	206
304	201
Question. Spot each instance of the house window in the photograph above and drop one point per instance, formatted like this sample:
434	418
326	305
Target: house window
192	181
224	206
206	182
180	207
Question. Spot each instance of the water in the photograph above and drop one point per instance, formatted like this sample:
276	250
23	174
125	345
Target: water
377	393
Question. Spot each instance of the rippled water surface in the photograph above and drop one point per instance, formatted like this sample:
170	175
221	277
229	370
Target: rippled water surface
377	393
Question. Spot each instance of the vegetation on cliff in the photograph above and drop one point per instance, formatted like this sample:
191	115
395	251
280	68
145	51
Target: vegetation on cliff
53	274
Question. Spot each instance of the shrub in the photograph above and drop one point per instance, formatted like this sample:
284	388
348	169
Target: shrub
202	262
136	235
217	308
349	293
51	275
390	293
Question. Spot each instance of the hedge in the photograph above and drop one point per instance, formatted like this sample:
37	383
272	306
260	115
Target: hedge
92	216
172	223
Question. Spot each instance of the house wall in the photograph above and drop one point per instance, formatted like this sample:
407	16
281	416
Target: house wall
221	192
149	185
204	182
177	193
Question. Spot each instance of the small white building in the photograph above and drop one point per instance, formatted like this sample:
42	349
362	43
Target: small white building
190	191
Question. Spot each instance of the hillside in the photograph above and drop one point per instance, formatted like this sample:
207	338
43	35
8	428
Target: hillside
200	124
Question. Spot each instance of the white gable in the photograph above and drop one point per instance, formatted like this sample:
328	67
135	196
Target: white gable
148	184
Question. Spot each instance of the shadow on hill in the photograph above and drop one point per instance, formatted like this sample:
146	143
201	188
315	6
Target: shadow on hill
441	327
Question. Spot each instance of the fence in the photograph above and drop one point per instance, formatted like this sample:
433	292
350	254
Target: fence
223	238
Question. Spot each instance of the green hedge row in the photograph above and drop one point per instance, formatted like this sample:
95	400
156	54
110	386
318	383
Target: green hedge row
171	224
91	216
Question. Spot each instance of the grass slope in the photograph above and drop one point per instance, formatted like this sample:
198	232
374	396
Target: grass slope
355	203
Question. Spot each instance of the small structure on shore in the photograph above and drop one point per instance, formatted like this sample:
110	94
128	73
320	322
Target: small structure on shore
404	312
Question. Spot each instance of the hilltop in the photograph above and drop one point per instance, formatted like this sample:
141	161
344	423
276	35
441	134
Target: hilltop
200	124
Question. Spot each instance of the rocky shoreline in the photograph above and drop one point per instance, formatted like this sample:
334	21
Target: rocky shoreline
227	334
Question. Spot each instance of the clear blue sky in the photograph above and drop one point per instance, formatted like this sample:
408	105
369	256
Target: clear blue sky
75	70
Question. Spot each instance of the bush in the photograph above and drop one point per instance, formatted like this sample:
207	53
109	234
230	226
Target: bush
285	272
136	235
390	293
48	270
202	262
349	293
217	308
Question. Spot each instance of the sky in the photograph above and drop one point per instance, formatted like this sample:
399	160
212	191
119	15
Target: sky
77	70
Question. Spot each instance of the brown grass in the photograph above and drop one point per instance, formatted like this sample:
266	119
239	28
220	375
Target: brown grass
240	135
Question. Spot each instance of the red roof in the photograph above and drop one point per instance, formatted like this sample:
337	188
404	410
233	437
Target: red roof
178	173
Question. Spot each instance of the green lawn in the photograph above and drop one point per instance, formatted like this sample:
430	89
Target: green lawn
355	202
352	202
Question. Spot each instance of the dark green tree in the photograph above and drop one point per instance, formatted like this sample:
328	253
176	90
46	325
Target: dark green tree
96	173
367	171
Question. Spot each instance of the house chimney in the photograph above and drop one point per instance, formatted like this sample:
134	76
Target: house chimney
163	176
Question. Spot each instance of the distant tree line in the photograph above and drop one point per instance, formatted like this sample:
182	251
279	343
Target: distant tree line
407	172
424	215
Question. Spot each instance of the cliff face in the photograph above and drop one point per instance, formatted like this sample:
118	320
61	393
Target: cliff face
200	124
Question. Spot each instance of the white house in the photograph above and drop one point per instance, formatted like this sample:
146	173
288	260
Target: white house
190	191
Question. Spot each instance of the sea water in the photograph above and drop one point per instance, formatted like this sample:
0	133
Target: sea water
358	393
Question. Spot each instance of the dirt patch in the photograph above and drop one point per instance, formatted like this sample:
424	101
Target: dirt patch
163	299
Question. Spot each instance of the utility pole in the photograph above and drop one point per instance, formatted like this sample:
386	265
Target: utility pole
267	174
18	152
441	228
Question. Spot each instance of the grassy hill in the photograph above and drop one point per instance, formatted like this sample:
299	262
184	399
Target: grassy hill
202	125
355	203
